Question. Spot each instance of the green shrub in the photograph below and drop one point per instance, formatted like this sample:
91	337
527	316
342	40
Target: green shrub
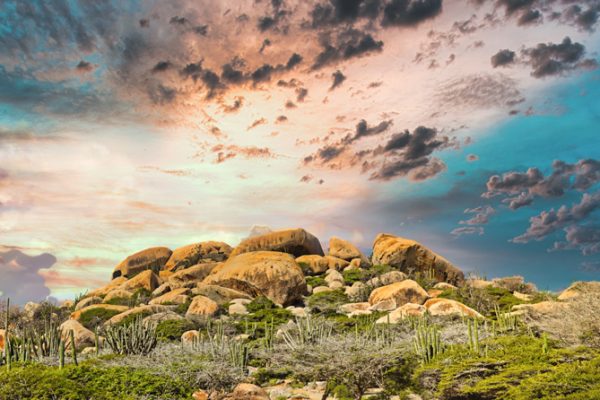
131	318
483	300
315	281
172	329
96	317
271	376
260	303
327	302
38	382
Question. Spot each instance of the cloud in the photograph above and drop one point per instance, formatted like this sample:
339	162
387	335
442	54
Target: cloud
84	67
260	121
410	12
238	102
584	238
468	230
549	59
503	58
480	91
338	79
226	152
523	187
349	44
548	222
21	279
482	215
472	157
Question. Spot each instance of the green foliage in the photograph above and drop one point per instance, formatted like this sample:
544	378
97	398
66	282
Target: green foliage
260	303
315	281
306	270
96	316
327	302
517	368
428	341
271	375
38	382
483	300
172	329
131	318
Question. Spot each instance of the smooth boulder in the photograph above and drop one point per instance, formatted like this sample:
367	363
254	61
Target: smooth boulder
318	264
407	291
147	280
176	296
83	337
201	306
297	242
439	306
410	256
345	250
198	253
153	259
218	294
580	288
272	274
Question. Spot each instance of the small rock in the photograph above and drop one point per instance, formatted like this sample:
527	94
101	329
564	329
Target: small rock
200	395
237	309
384	305
444	286
201	307
321	289
190	337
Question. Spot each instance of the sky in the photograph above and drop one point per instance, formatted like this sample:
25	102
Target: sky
471	126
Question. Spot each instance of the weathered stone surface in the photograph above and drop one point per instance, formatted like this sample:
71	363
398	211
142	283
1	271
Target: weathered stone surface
247	391
163	316
297	242
83	336
189	337
319	264
478	283
272	274
345	250
321	289
201	306
153	259
115	283
120	294
237	309
449	307
384	305
407	291
176	296
580	288
218	294
198	253
76	315
408	309
200	395
192	275
444	286
144	280
543	307
406	255
387	279
352	307
357	289
332	277
145	310
88	301
434	292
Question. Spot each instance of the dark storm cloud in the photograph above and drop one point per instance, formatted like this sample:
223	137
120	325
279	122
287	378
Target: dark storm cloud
530	17
21	280
583	238
523	187
177	20
337	12
548	222
410	12
503	58
363	129
548	59
301	94
84	66
349	44
337	79
161	66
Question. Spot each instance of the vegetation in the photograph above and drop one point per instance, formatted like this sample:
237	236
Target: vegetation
137	337
95	317
172	329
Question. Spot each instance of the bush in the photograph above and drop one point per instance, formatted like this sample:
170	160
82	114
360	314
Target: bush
38	382
315	281
327	302
96	317
260	303
483	300
172	329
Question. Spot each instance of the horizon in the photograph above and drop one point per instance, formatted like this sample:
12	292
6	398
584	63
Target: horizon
468	126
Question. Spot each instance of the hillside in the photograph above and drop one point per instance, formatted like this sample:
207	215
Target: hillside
276	317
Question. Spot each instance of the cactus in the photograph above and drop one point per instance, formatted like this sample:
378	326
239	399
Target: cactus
505	321
61	354
134	338
73	347
427	342
7	346
96	341
473	333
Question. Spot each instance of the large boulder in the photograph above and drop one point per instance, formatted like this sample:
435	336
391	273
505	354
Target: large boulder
153	259
201	306
272	274
147	280
83	336
345	250
297	242
192	275
439	306
218	294
176	296
88	301
580	288
407	291
400	313
410	256
118	296
197	253
102	291
318	264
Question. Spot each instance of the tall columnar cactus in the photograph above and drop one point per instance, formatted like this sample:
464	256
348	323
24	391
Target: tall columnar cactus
73	347
428	342
135	338
7	346
96	342
61	354
473	333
